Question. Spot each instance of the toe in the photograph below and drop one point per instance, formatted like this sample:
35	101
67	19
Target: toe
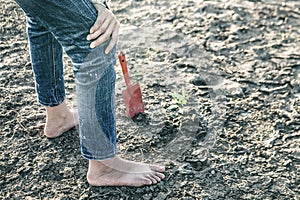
153	179
157	177
146	181
157	168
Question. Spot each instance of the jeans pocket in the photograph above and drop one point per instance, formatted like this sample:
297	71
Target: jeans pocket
91	8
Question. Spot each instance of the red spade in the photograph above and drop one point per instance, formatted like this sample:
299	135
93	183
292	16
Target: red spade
132	95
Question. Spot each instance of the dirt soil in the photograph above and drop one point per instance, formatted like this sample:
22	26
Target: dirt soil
221	86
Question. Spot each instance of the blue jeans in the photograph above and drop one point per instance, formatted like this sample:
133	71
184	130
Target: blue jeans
54	26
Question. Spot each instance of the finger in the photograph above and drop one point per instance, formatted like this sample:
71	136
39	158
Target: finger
106	35
97	32
100	30
97	23
114	39
103	14
101	25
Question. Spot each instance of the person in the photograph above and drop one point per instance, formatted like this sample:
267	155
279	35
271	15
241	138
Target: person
88	33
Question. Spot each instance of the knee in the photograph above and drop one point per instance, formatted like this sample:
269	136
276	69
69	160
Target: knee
95	66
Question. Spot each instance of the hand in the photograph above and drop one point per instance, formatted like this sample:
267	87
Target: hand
106	27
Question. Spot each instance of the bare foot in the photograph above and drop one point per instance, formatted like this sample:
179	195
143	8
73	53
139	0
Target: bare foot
59	119
120	172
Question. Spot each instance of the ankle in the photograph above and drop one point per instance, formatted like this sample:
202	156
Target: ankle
103	166
61	111
96	170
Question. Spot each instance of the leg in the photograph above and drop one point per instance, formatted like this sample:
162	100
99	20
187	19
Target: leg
47	64
69	21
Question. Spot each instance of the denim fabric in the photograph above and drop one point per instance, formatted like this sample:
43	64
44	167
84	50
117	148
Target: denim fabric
54	26
46	56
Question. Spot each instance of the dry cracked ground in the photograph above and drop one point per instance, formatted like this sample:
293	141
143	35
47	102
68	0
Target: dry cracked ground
221	86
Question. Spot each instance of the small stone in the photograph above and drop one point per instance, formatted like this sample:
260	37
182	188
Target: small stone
161	196
147	196
68	171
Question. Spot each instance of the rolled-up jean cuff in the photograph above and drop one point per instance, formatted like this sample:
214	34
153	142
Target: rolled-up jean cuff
107	155
57	103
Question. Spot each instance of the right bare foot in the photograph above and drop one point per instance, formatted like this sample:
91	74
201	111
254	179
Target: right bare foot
59	119
120	172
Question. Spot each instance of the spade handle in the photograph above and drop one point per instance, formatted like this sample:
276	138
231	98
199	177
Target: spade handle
122	60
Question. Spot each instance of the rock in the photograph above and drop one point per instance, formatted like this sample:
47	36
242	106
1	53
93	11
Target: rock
161	196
